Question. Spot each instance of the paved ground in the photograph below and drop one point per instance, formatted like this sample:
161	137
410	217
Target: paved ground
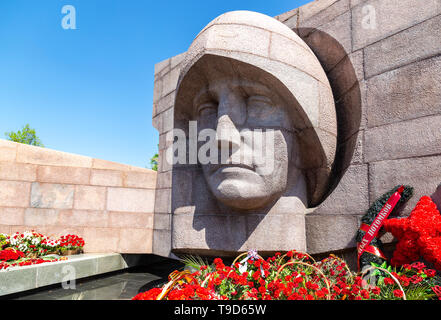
115	286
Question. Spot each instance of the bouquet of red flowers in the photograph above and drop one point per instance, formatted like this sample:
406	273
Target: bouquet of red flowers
10	254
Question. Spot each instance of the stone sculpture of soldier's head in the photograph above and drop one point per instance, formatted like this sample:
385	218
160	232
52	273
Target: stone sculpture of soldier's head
254	83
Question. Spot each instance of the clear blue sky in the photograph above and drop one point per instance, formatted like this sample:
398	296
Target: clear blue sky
89	91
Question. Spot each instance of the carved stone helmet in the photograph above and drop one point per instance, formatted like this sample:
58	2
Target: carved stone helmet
258	47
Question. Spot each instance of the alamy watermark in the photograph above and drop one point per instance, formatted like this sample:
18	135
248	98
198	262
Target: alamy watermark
69	20
254	148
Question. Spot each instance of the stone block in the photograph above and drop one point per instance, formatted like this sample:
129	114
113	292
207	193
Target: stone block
169	82
161	242
8	150
83	218
145	180
330	42
130	200
347	73
55	196
110	262
43	156
162	221
164	180
292	22
163	201
18	280
164	103
108	178
12	216
287	15
407	139
135	240
421	173
411	45
110	165
37	217
14	194
131	220
326	233
18	171
63	175
58	231
101	240
6	229
161	66
406	93
176	61
317	13
388	18
90	198
351	196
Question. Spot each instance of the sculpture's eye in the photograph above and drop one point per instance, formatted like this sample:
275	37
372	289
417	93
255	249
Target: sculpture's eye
259	101
207	109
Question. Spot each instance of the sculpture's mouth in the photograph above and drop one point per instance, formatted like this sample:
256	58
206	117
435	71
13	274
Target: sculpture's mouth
230	168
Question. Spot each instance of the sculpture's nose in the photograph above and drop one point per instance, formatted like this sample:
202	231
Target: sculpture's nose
231	114
227	135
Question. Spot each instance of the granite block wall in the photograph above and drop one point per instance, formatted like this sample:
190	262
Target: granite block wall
111	205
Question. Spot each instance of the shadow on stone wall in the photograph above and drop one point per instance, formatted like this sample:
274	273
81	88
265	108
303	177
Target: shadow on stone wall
347	95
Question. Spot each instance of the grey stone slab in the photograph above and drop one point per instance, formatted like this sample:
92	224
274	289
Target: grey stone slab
327	233
76	267
13	281
48	195
351	196
409	92
378	19
331	42
421	173
411	138
317	13
162	221
163	201
347	73
162	242
416	43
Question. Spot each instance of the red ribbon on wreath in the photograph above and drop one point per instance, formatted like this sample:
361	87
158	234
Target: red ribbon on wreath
374	228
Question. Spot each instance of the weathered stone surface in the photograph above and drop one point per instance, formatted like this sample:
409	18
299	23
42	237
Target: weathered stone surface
105	240
351	195
145	180
130	200
18	171
390	17
37	155
169	82
90	198
14	194
8	150
406	93
330	42
164	180
347	73
287	15
135	240
420	137
109	178
12	216
326	233
163	201
421	173
83	218
403	48
162	221
40	217
49	195
317	13
162	242
63	175
109	165
130	220
161	66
